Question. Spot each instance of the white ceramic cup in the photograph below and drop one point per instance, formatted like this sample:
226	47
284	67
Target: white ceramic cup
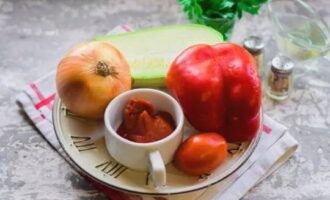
151	156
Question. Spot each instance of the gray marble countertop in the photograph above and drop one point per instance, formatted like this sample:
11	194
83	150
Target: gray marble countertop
35	34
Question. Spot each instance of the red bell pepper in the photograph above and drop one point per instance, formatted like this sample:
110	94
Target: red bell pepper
219	89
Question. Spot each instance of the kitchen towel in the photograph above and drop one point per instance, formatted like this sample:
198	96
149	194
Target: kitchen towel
276	145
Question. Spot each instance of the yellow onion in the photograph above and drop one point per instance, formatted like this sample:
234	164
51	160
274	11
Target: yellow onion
90	76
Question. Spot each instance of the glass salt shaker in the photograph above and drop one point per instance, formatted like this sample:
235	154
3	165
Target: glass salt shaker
279	78
255	45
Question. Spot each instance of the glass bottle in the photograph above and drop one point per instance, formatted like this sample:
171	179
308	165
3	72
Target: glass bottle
279	78
255	45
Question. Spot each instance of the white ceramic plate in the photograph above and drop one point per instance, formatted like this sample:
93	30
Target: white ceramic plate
83	141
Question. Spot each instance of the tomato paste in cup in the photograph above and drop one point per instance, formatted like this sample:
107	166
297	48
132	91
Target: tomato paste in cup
142	124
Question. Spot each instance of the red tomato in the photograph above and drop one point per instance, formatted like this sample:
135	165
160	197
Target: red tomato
201	153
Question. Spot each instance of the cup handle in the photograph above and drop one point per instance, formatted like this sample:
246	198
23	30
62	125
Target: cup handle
157	169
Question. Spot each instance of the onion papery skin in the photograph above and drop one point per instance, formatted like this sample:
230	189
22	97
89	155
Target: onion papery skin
90	76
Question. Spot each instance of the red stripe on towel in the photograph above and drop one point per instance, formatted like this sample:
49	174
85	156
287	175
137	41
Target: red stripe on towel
37	91
45	102
266	129
123	26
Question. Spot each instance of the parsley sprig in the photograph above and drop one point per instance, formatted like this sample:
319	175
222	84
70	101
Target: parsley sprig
226	9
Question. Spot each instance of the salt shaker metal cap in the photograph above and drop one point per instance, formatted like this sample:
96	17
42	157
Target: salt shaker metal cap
254	44
282	65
